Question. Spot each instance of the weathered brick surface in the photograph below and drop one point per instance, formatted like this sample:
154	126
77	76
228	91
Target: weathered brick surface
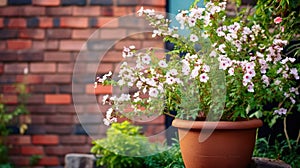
47	38
45	139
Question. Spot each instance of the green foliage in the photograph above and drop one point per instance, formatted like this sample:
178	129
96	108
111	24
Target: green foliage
7	118
170	158
279	150
34	159
124	146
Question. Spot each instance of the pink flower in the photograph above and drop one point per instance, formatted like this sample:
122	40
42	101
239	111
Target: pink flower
277	20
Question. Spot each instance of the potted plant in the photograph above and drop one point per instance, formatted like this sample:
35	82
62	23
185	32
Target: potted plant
218	79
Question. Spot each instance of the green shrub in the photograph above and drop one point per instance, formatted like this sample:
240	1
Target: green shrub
125	146
279	150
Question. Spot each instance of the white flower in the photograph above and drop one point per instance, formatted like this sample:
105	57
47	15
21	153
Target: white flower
195	72
170	80
162	64
146	59
140	11
203	77
251	87
265	80
194	38
153	92
124	97
294	72
281	111
221	48
105	99
231	71
173	72
277	82
206	68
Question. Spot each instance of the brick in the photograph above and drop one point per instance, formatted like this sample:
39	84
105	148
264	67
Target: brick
99	44
30	79
112	56
59	11
31	56
32	33
99	90
3	2
57	78
45	140
73	2
49	161
19	2
19	44
122	10
8	33
14	150
6	56
71	45
59	129
57	99
32	150
65	67
16	23
33	22
127	2
57	56
9	89
20	161
82	33
34	11
38	119
2	45
41	109
58	150
60	119
15	68
1	22
45	45
19	139
82	149
45	22
10	99
73	140
108	22
86	11
152	44
43	88
59	33
46	2
154	3
102	68
42	67
101	2
121	44
65	89
112	33
74	22
107	11
10	11
36	99
65	109
7	79
1	68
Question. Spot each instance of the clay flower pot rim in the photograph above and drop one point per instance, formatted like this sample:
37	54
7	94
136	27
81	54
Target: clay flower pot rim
188	124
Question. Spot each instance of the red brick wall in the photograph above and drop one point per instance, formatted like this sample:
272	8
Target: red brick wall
45	36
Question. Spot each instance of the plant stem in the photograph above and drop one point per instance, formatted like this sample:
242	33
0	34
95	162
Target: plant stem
298	138
286	134
169	114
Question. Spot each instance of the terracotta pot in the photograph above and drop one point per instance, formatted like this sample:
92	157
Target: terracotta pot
221	144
